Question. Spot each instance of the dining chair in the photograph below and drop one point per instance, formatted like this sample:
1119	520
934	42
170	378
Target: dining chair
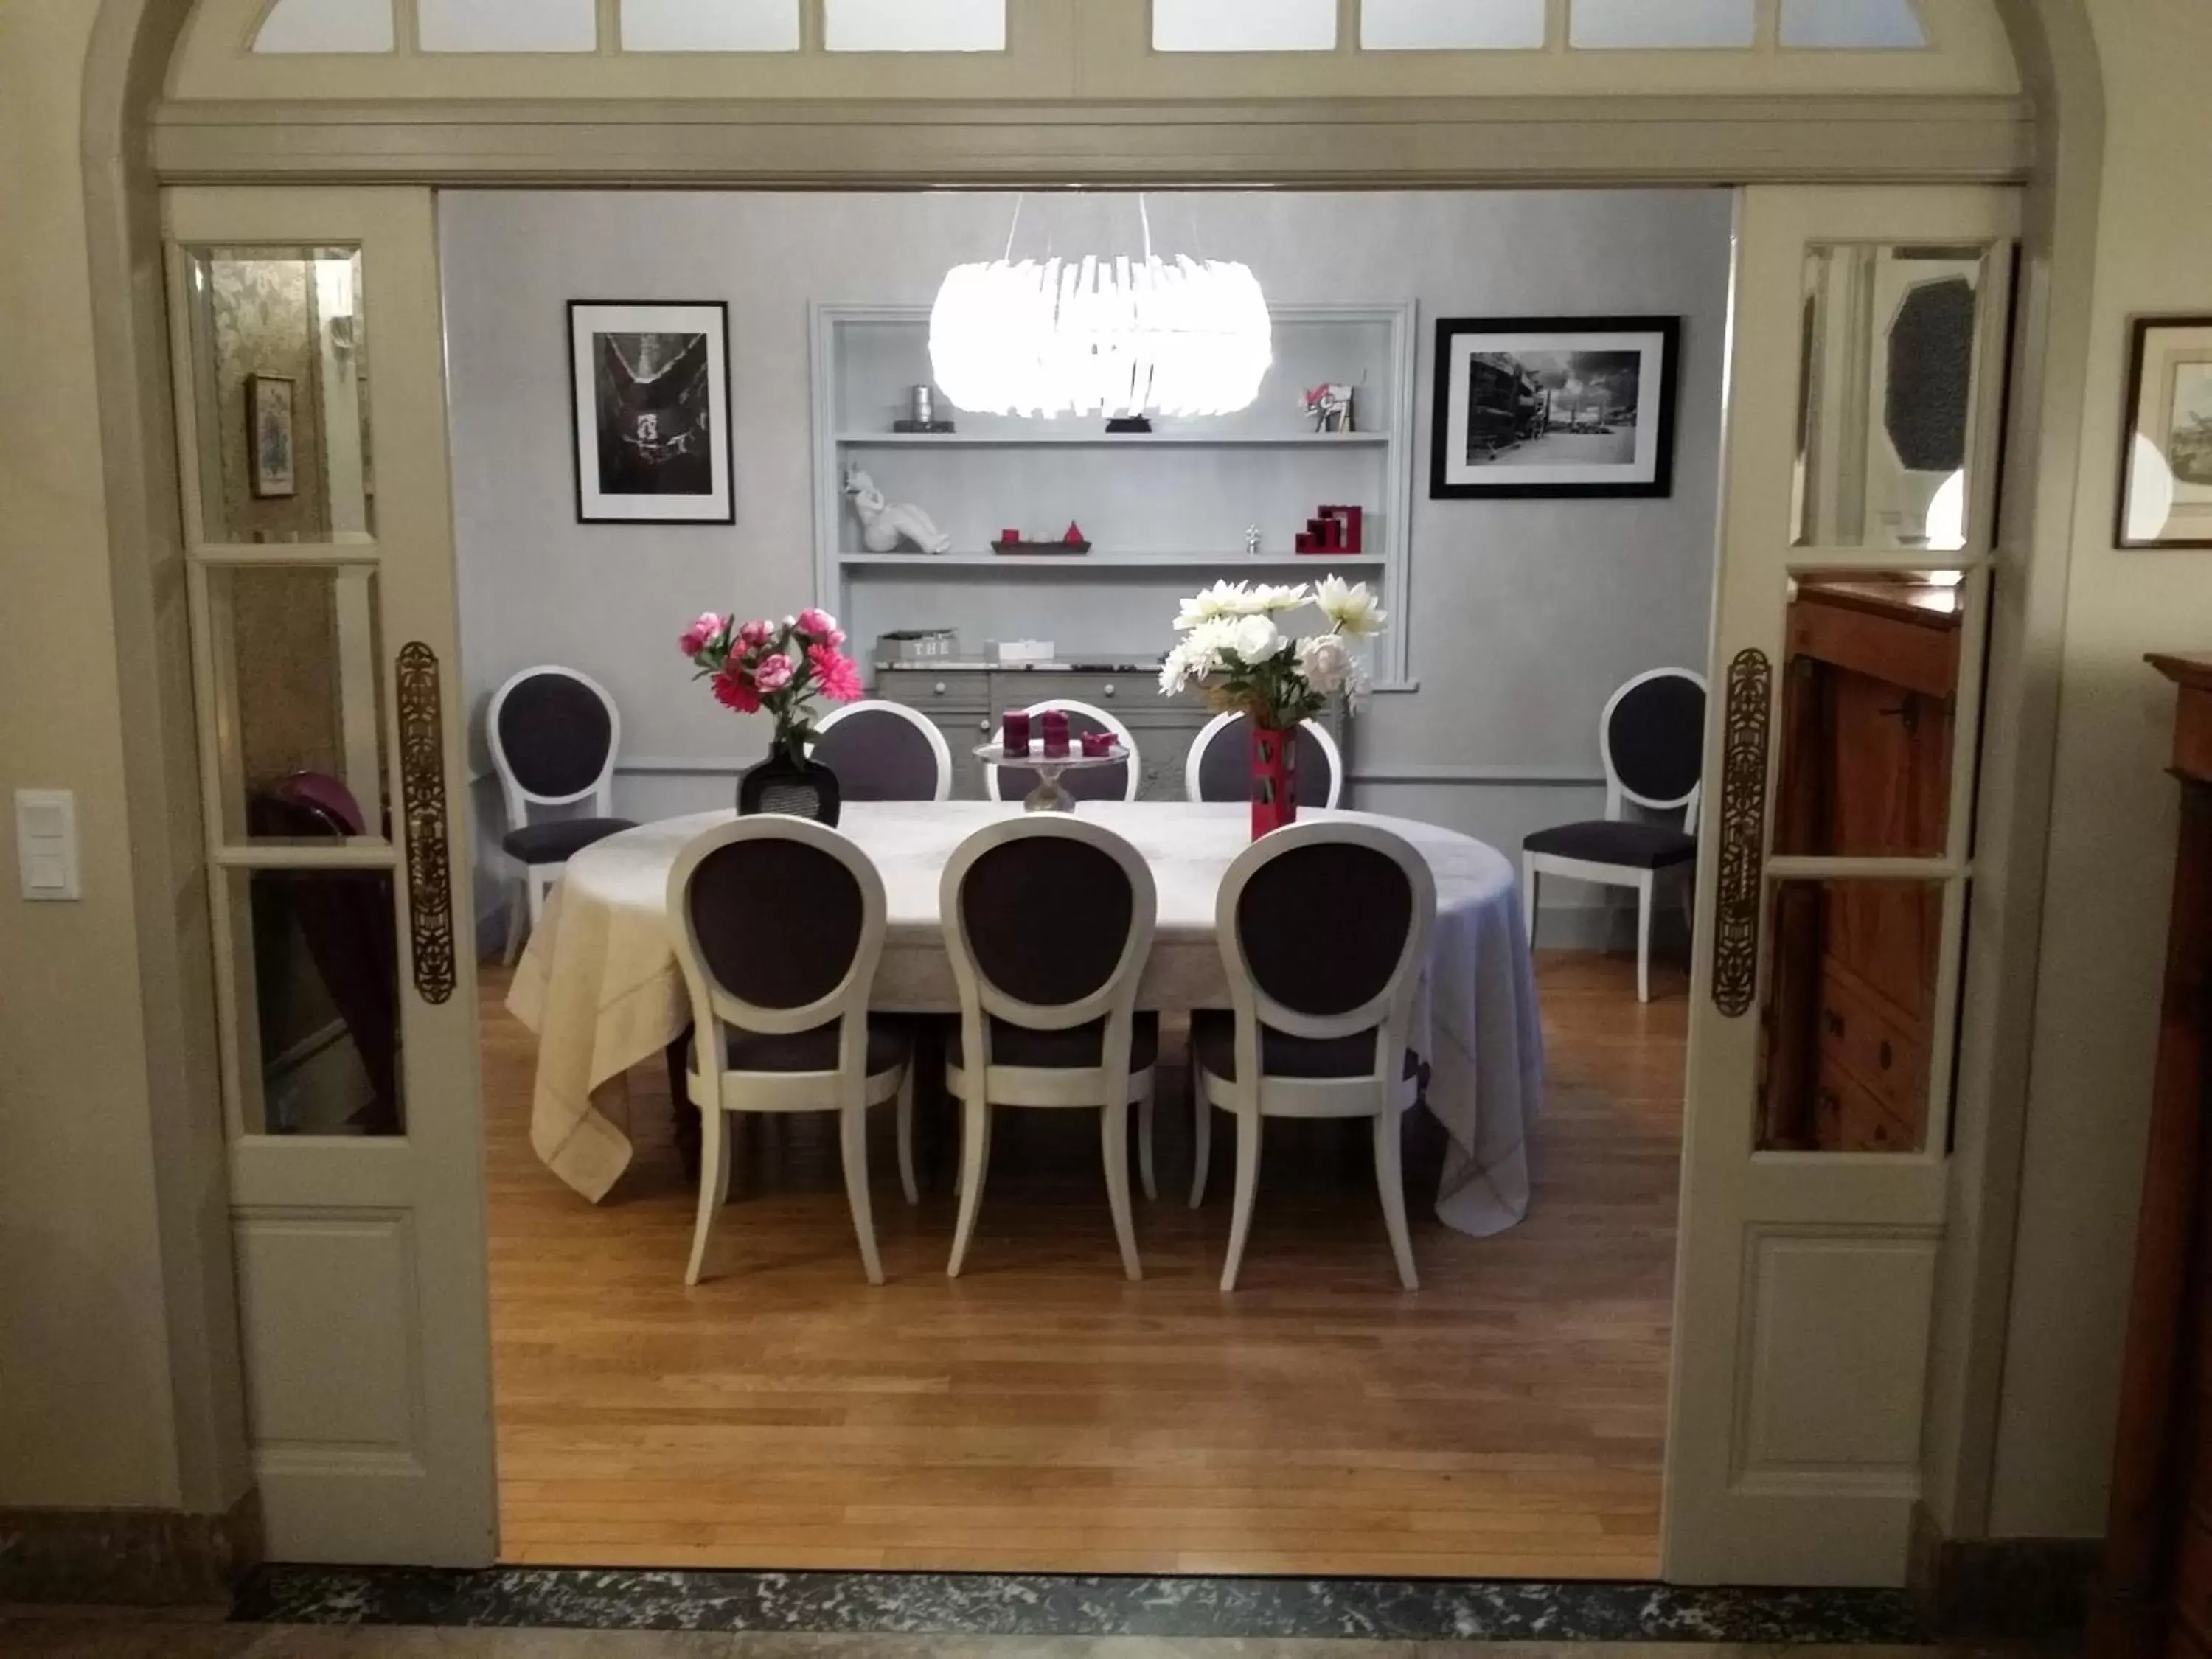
779	925
554	734
1323	929
884	751
1219	766
1084	782
1048	921
1651	737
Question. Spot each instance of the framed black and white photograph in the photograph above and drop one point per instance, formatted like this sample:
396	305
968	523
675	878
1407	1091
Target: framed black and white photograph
270	467
651	383
1554	406
2166	495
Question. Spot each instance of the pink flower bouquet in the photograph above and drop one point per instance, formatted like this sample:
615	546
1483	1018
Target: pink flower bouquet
780	667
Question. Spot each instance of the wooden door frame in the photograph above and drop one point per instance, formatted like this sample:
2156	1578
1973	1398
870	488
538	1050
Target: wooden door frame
2051	140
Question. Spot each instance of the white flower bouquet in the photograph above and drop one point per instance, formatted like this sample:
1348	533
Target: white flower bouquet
1234	648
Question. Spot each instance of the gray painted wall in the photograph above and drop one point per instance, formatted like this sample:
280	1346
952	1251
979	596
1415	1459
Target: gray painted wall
1524	615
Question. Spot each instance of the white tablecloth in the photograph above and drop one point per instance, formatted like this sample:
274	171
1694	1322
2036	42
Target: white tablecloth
600	987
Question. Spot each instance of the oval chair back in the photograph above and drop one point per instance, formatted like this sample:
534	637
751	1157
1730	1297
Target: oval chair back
554	734
1652	737
1084	783
1323	929
884	751
1219	768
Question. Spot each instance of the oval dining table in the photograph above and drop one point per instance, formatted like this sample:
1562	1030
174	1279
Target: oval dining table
600	987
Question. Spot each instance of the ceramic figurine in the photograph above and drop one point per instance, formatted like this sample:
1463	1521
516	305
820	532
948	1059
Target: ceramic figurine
883	527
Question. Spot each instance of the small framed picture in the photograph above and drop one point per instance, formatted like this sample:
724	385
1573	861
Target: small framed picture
269	436
2165	468
1554	406
651	386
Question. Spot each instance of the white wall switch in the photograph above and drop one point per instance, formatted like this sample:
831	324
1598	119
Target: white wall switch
45	843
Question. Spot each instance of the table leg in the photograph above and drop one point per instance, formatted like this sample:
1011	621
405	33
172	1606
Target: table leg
679	1100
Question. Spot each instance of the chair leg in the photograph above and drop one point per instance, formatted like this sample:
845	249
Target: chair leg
1114	1140
1644	937
1390	1181
1201	1130
517	907
714	1184
1144	1103
1247	1187
1529	897
540	883
852	1141
975	1152
906	1137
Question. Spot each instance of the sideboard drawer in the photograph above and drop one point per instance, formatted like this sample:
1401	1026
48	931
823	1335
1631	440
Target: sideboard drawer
919	688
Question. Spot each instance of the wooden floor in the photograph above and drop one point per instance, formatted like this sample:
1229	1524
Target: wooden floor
1040	1413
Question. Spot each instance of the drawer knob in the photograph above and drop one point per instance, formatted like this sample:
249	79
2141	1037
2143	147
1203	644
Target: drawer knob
939	688
1110	688
984	726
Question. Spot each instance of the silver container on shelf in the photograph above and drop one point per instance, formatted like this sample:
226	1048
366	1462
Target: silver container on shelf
925	406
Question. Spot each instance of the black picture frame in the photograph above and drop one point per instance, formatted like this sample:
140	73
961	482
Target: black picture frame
1649	472
2152	424
618	480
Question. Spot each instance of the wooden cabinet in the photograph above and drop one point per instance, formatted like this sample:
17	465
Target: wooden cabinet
2156	1593
1869	694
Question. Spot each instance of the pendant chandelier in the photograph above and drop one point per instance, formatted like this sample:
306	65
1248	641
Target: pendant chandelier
1114	337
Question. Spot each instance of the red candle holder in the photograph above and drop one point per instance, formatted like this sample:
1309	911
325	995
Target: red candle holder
1056	732
1016	731
1097	745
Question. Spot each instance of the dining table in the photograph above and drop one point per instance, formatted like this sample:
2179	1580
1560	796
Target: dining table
600	988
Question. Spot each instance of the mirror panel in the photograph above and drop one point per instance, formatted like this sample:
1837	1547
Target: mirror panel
1869	691
280	389
295	652
1847	1015
315	968
1886	411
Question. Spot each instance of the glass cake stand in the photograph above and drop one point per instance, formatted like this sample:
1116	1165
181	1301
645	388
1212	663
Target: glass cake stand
1049	796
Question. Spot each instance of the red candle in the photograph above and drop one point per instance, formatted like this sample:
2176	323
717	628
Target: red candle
1097	744
1056	732
1017	729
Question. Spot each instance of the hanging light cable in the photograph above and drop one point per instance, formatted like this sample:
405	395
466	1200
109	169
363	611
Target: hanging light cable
1101	337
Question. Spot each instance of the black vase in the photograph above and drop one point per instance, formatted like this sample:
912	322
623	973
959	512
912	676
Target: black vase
806	789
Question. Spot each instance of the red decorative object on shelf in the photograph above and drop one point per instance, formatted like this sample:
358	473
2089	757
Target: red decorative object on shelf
1332	530
1274	779
1075	534
1056	732
1016	731
1097	745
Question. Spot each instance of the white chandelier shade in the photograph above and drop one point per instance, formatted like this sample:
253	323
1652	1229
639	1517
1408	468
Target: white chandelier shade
1116	336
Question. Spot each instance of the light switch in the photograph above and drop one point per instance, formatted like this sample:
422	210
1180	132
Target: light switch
45	843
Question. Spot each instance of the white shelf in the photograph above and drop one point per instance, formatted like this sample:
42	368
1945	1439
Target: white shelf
1106	440
1319	563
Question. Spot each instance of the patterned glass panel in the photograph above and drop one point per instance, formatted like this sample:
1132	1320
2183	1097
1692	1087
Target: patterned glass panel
508	25
293	26
1452	25
710	25
1862	25
1663	23
915	25
1243	25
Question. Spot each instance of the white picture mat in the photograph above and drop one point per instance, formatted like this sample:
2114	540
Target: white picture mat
1650	389
590	318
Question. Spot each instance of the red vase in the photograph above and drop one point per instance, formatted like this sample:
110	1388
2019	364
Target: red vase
1274	779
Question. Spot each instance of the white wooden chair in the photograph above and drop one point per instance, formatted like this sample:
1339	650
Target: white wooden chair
779	927
1219	768
554	734
1048	921
1085	783
884	751
1651	736
1323	927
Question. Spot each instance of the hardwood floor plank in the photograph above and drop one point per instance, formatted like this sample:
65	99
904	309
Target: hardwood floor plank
1042	1413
